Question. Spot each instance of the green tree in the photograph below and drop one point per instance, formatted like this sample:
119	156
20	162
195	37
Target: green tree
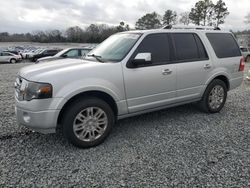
170	17
184	18
148	21
202	13
220	13
196	13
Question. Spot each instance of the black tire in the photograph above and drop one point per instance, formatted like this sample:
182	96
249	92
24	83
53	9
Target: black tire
74	109
13	61
204	103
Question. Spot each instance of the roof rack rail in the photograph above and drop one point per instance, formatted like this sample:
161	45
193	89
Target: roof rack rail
190	27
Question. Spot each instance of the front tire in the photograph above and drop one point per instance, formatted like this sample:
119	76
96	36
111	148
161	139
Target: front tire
13	61
87	122
214	97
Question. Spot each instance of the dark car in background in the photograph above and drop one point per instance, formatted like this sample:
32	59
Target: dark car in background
67	53
45	53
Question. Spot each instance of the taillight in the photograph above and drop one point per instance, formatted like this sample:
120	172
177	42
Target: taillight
242	64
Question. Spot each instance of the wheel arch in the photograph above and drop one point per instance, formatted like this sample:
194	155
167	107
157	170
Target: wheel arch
93	93
222	77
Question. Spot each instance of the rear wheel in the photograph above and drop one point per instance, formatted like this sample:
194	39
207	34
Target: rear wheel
88	122
214	97
13	61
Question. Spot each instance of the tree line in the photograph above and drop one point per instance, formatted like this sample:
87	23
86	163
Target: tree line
94	33
203	13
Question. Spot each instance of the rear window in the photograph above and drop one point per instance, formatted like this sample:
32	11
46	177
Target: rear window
224	45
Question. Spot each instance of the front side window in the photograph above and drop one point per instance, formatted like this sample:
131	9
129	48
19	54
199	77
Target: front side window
224	45
115	48
158	46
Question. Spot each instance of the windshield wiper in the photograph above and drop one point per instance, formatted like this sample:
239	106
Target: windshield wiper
97	57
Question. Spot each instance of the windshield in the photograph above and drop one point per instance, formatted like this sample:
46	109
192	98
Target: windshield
61	52
115	48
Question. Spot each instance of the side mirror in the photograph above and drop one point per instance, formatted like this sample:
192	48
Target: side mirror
65	55
142	59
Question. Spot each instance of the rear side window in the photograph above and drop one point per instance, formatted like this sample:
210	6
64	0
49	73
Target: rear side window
189	47
224	45
158	46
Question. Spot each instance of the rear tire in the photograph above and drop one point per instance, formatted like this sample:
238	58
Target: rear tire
87	122
13	61
214	97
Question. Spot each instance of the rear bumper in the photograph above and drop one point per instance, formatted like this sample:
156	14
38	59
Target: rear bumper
41	121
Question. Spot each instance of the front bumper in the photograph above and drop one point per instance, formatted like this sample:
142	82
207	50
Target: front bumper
39	115
41	121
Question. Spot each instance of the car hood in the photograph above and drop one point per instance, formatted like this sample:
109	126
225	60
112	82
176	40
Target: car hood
45	58
39	71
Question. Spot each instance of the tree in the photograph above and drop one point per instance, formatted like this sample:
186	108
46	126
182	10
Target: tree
170	17
148	21
123	27
184	19
202	13
247	18
196	13
74	34
220	13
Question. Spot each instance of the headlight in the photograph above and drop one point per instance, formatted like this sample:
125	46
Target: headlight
27	90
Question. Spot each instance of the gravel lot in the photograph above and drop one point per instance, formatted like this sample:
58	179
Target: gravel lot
177	147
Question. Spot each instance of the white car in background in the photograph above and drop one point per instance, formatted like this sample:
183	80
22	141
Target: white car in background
75	53
245	52
9	57
30	54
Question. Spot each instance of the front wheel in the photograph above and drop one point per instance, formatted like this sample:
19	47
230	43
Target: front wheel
88	122
13	61
214	97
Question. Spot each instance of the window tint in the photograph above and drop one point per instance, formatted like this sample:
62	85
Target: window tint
186	47
158	46
224	45
201	48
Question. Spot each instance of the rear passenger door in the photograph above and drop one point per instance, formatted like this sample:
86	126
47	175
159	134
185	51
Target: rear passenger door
192	63
151	85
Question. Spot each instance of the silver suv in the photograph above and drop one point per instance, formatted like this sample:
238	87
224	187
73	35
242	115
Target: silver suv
130	73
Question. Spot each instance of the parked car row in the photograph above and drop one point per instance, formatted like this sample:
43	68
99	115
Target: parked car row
43	55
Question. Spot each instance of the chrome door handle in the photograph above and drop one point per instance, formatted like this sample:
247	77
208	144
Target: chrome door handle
207	66
166	71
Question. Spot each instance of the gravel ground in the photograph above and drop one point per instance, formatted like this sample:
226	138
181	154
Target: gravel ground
177	147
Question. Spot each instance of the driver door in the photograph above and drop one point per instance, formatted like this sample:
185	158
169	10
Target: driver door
154	84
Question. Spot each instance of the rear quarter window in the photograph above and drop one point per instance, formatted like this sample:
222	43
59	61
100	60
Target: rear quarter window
224	45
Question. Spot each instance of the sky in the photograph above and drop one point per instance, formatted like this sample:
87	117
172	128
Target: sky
21	16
